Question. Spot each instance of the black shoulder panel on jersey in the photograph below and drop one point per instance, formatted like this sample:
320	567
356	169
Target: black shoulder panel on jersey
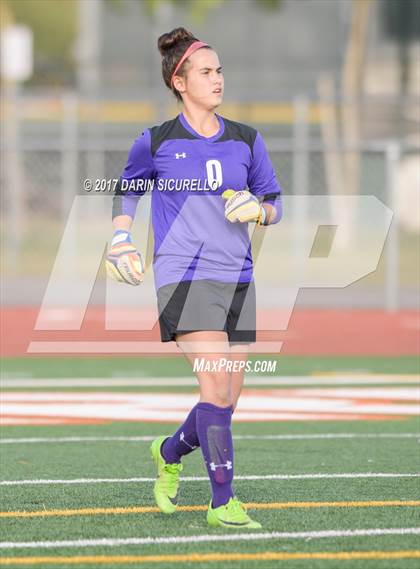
238	131
168	130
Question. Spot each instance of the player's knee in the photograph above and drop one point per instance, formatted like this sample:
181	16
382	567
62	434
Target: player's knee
218	389
221	401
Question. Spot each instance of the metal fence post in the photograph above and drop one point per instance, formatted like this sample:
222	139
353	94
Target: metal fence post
12	158
69	152
392	277
69	165
300	180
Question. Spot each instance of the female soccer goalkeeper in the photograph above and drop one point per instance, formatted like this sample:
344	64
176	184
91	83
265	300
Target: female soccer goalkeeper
202	257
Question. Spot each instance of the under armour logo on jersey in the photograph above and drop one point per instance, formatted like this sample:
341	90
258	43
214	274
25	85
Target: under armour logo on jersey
180	155
182	438
228	465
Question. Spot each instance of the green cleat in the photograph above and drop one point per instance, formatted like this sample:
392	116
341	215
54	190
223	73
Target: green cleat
167	482
231	515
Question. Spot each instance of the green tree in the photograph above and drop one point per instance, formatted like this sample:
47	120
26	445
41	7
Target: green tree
198	9
54	27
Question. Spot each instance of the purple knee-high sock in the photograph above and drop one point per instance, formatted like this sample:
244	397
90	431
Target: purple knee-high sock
215	436
184	441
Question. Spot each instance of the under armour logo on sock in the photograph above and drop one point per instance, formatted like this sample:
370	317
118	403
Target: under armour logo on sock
227	465
182	438
179	155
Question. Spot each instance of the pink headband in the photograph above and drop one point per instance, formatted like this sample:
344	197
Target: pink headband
193	47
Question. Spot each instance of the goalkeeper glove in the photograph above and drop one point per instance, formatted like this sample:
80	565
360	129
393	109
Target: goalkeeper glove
243	206
123	262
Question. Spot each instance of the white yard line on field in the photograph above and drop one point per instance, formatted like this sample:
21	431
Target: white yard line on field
316	380
149	438
314	476
298	403
116	542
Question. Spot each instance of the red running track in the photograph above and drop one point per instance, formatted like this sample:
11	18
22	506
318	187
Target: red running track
310	332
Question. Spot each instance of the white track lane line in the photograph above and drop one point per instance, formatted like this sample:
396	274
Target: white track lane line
373	532
149	438
315	476
315	380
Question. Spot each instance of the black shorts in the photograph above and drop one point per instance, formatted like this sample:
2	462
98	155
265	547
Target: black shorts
190	306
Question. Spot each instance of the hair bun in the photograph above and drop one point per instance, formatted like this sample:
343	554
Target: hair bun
167	42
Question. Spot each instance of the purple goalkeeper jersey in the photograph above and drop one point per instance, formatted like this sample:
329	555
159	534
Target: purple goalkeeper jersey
187	174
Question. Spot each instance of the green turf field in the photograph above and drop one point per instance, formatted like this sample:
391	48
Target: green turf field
175	367
81	484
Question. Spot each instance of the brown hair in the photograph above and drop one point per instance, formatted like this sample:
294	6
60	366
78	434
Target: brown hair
172	47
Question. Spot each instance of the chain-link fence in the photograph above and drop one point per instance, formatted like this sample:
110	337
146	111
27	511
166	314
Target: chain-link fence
45	168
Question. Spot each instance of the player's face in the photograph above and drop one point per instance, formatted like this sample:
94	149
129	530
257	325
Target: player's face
203	84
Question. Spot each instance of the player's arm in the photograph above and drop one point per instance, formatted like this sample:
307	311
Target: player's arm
122	223
272	209
262	203
124	262
269	213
